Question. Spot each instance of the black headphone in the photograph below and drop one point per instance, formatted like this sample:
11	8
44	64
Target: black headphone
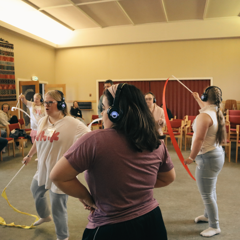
114	113
41	100
6	104
154	99
61	105
204	96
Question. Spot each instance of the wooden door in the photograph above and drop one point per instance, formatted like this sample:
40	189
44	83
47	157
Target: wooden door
28	89
60	87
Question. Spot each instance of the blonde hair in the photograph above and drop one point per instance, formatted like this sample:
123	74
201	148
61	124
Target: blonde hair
56	95
40	96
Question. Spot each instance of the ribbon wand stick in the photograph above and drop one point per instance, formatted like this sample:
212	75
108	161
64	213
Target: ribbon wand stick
183	84
15	176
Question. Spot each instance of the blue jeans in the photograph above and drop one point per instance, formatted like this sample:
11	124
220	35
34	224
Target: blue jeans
59	208
208	167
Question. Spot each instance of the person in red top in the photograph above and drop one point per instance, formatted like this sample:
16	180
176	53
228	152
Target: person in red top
122	164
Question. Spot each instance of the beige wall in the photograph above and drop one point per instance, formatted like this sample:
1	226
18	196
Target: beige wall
219	59
31	57
79	68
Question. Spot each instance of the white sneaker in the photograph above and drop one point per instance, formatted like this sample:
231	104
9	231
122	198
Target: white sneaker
42	220
4	150
210	232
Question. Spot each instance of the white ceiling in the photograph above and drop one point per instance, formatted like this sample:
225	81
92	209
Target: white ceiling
83	14
102	22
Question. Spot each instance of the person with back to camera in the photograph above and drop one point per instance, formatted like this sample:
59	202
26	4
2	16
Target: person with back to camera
209	132
37	111
76	112
122	164
156	111
56	133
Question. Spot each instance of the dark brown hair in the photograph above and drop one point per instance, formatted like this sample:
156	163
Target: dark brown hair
137	122
215	97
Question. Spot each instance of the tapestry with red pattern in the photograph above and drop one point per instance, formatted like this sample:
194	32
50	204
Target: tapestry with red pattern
7	72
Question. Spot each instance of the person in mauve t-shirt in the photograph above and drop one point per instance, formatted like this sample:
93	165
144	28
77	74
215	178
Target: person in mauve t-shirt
122	164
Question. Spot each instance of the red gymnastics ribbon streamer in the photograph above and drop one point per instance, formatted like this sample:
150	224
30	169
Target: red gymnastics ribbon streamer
174	142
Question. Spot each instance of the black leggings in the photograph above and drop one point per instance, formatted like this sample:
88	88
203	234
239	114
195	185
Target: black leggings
3	143
147	227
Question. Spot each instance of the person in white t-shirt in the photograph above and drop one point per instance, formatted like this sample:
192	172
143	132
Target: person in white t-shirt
37	111
56	133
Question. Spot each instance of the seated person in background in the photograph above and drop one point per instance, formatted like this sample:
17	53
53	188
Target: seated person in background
156	111
76	112
6	118
170	115
122	164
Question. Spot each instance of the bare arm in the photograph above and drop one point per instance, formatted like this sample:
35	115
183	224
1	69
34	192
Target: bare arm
32	151
203	123
23	99
165	178
64	176
161	121
198	99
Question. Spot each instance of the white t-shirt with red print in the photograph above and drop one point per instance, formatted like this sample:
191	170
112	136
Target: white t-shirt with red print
52	142
36	113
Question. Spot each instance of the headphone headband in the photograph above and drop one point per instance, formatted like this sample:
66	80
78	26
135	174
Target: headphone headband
154	98
114	113
204	96
61	105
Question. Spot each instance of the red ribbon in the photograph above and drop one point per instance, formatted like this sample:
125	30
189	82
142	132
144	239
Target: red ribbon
174	142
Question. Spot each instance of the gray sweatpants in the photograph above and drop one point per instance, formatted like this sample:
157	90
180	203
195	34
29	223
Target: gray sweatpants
59	208
208	167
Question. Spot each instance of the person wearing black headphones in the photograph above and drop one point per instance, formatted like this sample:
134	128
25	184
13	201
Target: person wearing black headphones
56	133
37	111
123	163
209	133
156	111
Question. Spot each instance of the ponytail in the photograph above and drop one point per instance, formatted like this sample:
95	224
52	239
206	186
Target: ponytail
216	98
221	132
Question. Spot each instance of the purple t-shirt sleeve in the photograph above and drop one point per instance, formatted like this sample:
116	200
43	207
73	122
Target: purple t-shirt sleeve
167	163
82	153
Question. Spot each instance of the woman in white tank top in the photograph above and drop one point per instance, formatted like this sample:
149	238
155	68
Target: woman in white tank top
209	132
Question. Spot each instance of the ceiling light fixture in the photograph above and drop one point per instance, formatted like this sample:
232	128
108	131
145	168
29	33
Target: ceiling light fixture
27	18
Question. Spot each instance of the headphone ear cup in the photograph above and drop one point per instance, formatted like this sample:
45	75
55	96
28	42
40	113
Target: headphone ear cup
204	97
61	105
114	114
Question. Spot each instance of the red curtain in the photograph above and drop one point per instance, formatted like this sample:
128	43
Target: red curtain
144	86
178	99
